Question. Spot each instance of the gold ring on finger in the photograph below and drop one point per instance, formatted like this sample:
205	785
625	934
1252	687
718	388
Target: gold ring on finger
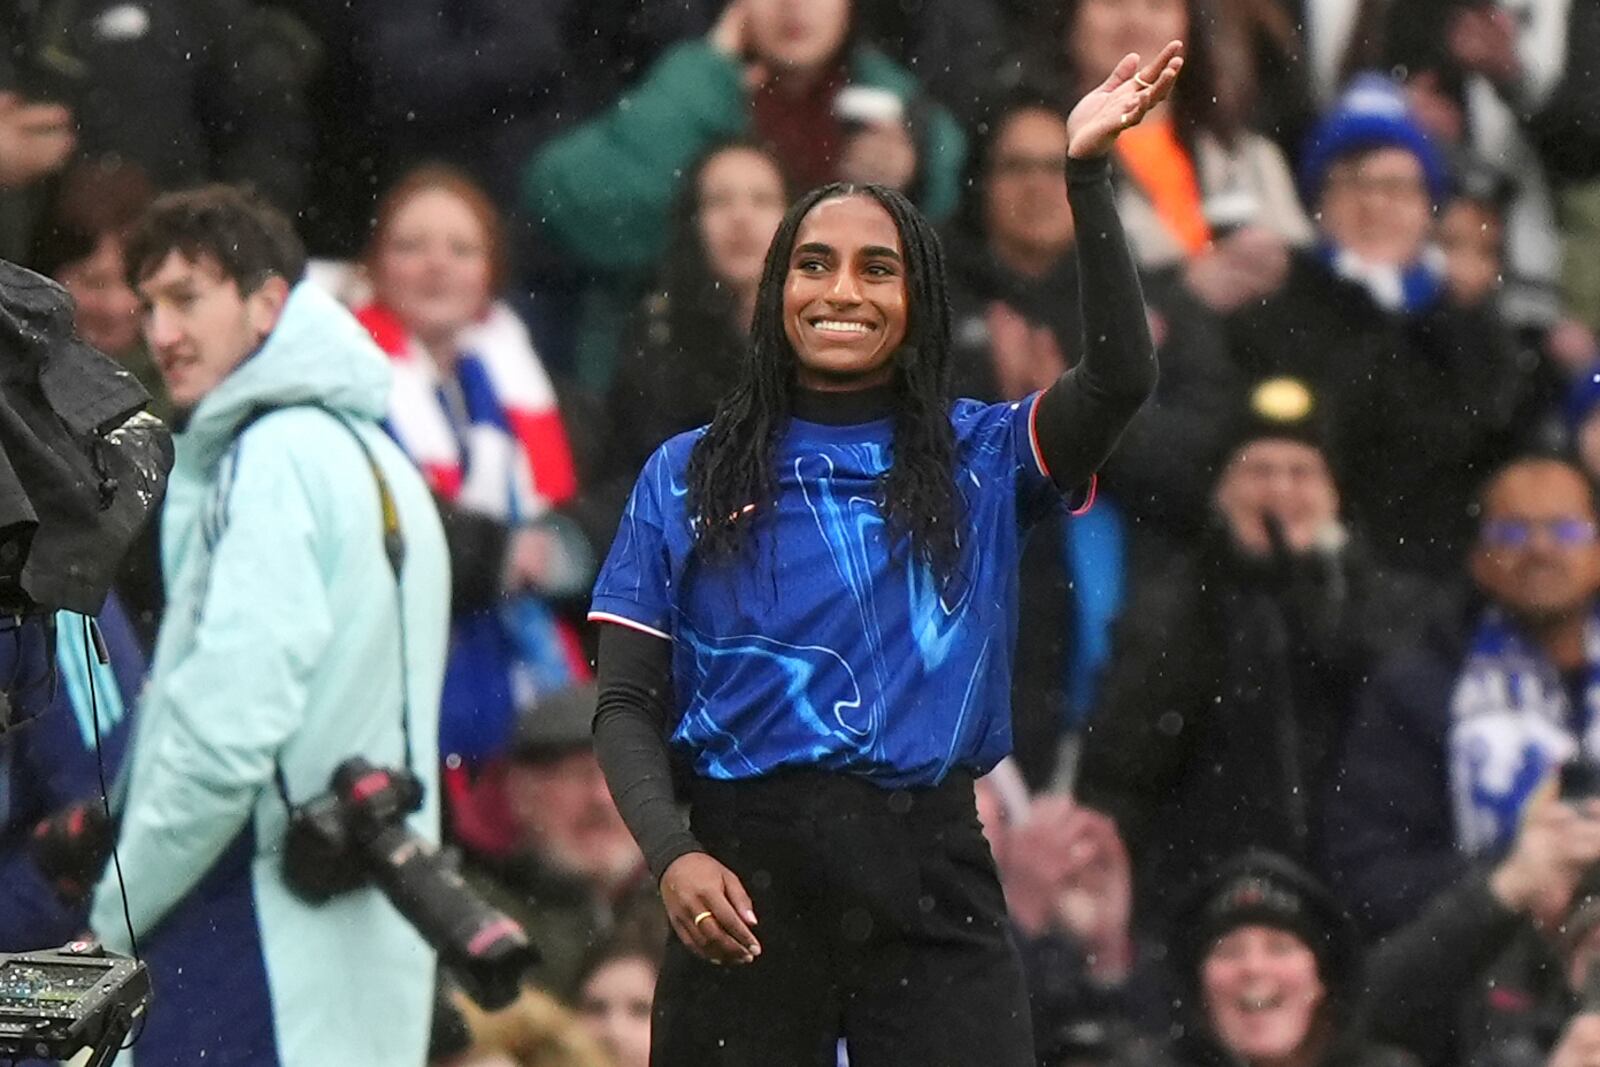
1141	83
702	917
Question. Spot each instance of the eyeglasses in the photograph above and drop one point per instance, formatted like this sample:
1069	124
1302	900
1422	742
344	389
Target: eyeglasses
1518	533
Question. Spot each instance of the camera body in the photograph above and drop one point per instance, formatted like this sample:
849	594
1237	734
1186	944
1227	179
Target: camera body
355	834
323	855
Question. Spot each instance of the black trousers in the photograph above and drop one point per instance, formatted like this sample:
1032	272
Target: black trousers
881	921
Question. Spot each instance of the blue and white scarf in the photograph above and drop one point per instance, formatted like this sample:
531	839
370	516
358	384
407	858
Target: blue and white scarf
1408	290
1511	724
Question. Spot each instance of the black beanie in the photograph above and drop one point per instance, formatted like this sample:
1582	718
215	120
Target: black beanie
1282	408
1265	889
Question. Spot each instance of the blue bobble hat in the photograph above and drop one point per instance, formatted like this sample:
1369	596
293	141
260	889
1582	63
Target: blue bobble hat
1371	113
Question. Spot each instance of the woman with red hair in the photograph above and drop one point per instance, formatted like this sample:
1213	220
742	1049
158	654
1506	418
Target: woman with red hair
474	408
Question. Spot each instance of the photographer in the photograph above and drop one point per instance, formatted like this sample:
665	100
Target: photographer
1490	974
300	633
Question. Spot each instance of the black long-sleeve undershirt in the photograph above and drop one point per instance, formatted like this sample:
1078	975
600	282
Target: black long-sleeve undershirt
1079	420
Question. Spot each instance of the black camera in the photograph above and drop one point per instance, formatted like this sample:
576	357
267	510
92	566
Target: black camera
356	833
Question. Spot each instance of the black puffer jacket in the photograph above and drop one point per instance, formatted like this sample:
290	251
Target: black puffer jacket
1420	407
1221	715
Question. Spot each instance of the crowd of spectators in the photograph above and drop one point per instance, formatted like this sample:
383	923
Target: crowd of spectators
1290	702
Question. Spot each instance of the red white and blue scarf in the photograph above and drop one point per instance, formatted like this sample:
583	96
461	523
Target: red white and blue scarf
489	440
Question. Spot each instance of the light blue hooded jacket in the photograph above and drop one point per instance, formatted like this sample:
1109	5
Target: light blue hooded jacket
280	646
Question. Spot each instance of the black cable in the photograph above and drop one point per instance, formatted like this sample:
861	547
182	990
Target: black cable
93	643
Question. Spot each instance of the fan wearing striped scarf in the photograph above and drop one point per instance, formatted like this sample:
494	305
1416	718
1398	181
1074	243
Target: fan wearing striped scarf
474	408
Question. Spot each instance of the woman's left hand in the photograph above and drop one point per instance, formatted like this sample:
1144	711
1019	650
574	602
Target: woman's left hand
1121	101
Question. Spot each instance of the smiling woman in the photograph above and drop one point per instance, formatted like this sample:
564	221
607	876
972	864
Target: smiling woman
825	579
844	304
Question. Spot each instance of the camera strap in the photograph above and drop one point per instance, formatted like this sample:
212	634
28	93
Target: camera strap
394	550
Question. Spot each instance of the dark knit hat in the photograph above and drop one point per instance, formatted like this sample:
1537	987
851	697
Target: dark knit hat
1372	112
1261	888
1283	408
556	723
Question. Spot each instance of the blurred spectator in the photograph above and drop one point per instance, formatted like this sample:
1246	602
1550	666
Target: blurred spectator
794	75
1497	971
189	92
616	987
473	407
535	1030
1268	73
1069	894
1423	396
79	243
1015	317
1583	419
959	49
568	870
1016	328
687	338
37	138
1234	667
1269	972
1472	237
480	83
1451	738
53	834
1511	84
1199	188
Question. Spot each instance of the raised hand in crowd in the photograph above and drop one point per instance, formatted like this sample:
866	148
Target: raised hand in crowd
731	37
1483	39
1559	842
1580	1043
1066	869
1245	265
36	139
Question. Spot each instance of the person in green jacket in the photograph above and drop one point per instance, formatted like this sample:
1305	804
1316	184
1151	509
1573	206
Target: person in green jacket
792	76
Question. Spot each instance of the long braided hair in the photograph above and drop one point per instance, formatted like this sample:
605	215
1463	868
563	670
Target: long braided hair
733	466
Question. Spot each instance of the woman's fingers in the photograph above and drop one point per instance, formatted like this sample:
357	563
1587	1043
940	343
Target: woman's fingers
735	937
1122	72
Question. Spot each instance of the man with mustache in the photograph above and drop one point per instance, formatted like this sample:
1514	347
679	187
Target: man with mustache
1451	739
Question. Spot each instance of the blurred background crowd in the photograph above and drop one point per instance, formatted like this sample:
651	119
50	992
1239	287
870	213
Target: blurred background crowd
1289	701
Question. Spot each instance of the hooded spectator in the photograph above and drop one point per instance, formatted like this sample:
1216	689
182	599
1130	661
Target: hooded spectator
1234	668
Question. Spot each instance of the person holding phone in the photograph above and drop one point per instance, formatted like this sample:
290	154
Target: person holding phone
812	601
1501	967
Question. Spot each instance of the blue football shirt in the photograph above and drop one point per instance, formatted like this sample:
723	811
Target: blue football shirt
818	646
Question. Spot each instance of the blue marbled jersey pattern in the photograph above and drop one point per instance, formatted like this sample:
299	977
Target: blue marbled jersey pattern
821	646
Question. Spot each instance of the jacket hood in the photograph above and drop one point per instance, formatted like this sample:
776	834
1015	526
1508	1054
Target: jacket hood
317	354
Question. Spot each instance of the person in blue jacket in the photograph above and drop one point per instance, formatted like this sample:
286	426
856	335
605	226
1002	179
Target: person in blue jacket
293	640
